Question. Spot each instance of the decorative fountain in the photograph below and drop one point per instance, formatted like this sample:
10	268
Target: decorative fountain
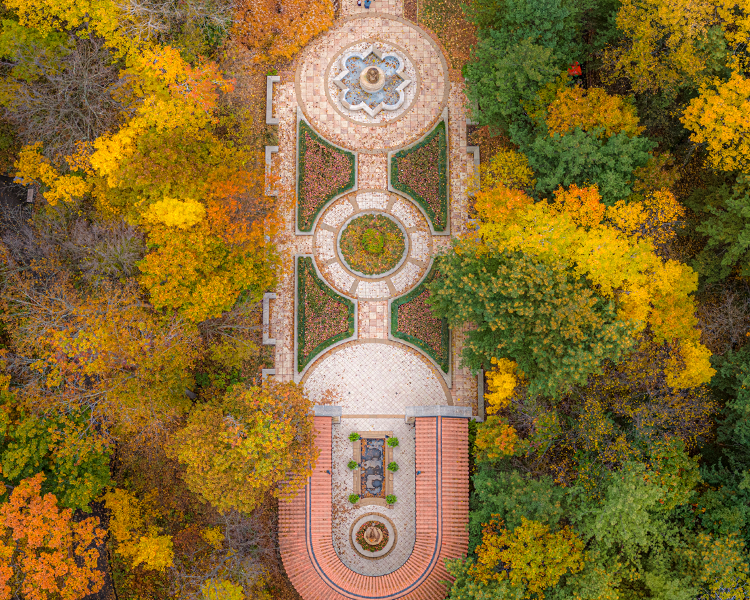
372	81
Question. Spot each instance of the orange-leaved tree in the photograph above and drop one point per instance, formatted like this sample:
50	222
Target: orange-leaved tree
257	440
103	350
44	554
278	29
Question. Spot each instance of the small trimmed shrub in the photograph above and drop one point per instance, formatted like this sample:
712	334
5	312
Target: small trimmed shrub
353	436
354	498
421	172
392	466
352	464
393	442
390	499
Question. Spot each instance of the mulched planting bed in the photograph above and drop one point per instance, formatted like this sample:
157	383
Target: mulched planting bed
412	320
361	536
372	244
323	316
324	172
422	173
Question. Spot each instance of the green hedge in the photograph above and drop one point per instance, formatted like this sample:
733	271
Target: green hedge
439	221
304	128
304	266
441	358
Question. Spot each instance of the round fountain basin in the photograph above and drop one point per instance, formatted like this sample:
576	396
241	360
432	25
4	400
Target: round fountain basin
372	79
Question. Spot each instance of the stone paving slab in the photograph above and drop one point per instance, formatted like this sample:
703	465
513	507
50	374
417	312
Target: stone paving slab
374	377
373	320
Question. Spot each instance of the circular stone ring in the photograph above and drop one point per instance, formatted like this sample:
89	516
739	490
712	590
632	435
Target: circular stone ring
383	520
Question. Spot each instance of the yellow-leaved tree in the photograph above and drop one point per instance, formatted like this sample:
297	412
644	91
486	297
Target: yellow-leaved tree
720	118
613	247
669	44
254	441
137	539
178	165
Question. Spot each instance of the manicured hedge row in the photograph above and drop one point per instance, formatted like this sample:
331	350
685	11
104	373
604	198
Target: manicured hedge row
412	321
323	172
323	316
421	172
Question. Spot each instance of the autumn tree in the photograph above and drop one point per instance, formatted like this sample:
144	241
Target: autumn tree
550	322
718	119
102	351
532	257
531	557
278	30
46	554
73	459
670	44
256	440
177	165
137	539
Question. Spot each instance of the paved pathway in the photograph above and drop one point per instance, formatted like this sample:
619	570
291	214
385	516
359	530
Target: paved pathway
371	378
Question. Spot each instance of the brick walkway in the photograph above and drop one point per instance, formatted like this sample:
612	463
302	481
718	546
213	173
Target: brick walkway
371	377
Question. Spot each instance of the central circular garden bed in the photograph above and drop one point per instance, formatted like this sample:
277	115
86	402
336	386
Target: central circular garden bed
372	244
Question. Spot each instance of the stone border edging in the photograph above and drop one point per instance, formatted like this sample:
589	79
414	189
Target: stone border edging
373	40
443	117
269	151
437	410
267	339
270	80
298	375
321	210
372	211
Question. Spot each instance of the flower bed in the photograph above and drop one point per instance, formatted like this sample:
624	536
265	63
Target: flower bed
422	172
372	244
361	536
324	172
412	320
323	316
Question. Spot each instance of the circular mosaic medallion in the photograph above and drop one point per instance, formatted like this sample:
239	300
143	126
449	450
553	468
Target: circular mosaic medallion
372	244
373	535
